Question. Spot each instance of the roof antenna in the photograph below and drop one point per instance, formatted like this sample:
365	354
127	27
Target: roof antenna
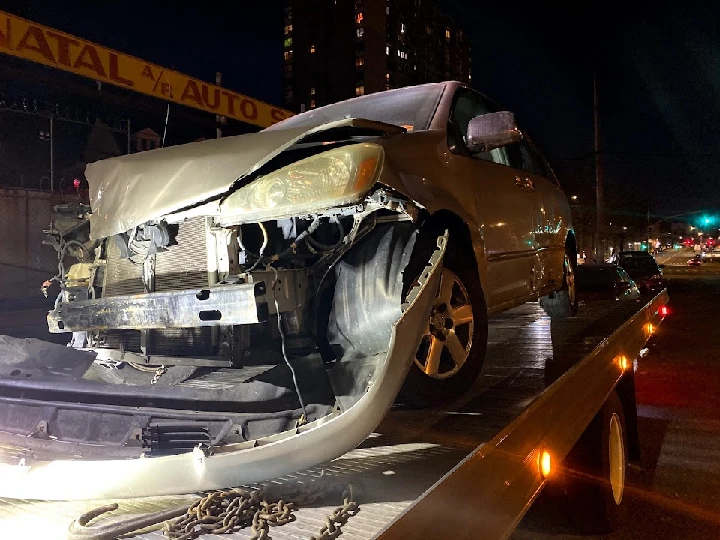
167	117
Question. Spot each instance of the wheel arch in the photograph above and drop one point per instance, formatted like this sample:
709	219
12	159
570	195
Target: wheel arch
461	235
571	242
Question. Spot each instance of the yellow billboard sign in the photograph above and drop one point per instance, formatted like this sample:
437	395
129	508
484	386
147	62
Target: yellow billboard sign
30	41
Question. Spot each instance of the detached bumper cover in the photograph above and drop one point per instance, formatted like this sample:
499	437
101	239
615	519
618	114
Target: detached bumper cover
218	305
244	463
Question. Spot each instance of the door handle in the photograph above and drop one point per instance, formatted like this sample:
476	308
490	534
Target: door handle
524	183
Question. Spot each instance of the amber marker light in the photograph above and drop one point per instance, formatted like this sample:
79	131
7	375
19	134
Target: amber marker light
623	362
544	463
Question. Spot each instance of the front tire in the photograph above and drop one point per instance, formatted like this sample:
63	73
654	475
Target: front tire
452	352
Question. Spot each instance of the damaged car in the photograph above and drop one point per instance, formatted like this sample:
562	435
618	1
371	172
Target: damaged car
245	307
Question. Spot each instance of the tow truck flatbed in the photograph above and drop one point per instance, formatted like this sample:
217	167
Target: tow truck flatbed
467	470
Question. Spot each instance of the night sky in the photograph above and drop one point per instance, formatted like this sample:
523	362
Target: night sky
658	66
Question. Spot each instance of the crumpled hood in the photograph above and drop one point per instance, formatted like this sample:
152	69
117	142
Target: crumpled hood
129	190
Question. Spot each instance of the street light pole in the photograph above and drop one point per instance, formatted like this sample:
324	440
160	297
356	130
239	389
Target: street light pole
598	171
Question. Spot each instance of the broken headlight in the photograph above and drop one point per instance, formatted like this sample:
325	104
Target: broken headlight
333	178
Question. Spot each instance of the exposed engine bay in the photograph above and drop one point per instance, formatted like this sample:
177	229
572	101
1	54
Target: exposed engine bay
270	324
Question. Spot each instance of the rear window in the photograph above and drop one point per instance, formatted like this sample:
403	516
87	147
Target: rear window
638	263
594	279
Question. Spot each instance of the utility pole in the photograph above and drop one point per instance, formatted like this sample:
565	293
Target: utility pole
598	173
52	156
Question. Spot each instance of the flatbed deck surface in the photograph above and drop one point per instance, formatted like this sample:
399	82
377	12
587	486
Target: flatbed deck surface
411	450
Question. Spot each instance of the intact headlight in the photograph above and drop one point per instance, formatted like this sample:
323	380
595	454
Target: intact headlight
333	178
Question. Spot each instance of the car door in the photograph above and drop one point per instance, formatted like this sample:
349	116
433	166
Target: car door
551	217
505	201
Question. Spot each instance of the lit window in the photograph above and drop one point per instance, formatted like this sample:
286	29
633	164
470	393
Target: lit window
387	49
415	67
447	33
312	49
359	90
387	10
359	18
387	76
402	28
288	55
312	91
360	32
288	28
469	77
312	103
359	61
288	42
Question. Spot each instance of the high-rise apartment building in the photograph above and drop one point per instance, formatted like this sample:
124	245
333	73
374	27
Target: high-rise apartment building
338	49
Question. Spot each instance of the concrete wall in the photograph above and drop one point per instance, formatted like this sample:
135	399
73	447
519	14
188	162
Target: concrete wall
24	261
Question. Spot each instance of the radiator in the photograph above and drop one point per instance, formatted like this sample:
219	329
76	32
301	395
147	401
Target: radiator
182	266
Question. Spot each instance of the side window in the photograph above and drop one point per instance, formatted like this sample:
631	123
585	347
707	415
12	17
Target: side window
531	161
469	105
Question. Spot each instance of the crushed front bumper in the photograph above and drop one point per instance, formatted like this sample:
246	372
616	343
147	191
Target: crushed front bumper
211	306
242	463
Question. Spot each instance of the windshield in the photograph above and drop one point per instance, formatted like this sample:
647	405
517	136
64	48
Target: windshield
412	108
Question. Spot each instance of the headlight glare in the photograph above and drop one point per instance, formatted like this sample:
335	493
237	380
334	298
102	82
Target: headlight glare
333	178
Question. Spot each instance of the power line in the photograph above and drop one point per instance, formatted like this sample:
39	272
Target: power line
685	155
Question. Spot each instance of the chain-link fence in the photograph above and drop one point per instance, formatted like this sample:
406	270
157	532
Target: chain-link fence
25	262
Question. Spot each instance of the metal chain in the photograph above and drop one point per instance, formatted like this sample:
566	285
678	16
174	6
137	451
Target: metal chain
228	511
158	373
339	516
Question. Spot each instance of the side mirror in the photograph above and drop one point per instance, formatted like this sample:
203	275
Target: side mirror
493	130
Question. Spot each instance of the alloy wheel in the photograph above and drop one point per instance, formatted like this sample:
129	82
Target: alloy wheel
448	338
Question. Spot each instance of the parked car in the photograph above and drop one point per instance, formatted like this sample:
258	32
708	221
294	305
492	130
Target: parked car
597	282
279	273
643	269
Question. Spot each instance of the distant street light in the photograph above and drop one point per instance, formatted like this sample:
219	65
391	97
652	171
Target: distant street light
624	228
574	198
